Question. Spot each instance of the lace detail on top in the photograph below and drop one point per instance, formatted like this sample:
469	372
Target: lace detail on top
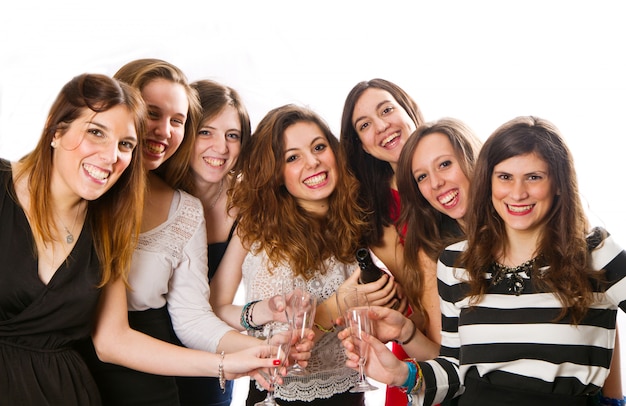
328	374
162	250
170	237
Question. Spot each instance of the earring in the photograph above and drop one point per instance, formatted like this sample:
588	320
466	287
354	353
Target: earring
53	144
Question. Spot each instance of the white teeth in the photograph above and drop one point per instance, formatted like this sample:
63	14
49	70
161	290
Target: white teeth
448	197
315	180
389	139
96	172
520	209
214	161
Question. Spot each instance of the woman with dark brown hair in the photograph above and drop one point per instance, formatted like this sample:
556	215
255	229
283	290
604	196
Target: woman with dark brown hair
530	299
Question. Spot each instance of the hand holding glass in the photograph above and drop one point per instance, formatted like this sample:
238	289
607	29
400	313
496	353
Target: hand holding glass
279	338
301	313
357	320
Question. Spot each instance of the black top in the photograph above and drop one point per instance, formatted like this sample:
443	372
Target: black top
40	323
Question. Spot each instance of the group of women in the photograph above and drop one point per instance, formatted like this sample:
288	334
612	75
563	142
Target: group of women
148	201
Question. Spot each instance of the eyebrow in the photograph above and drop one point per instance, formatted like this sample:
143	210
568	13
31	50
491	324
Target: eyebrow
377	107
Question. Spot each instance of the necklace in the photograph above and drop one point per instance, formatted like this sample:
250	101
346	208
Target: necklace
219	192
514	280
69	237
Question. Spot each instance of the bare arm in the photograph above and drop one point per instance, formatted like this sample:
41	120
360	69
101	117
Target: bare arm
225	283
115	342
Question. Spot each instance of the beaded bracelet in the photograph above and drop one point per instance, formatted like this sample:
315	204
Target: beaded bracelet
220	373
246	317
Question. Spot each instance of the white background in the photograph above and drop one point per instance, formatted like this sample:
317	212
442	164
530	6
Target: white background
484	62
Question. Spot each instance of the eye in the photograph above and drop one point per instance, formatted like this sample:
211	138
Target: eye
320	147
96	132
419	178
535	177
387	110
363	126
153	115
291	158
445	164
504	176
178	122
127	145
233	136
204	133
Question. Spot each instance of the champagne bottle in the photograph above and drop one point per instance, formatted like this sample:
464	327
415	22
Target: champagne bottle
369	271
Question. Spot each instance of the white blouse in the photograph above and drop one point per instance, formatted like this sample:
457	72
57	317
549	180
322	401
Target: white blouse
170	266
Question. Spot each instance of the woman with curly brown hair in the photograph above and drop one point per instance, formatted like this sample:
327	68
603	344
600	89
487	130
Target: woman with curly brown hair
298	218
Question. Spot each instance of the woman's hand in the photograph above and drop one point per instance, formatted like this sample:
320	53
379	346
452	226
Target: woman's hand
301	348
382	292
253	362
382	365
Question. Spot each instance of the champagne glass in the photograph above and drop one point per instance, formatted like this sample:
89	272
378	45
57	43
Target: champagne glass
301	315
340	294
358	321
279	338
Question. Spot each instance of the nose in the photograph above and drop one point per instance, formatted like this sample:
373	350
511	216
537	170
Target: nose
109	153
380	124
436	181
162	129
518	191
220	145
312	161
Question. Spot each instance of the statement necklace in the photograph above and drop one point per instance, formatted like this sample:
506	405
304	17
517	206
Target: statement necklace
219	192
514	280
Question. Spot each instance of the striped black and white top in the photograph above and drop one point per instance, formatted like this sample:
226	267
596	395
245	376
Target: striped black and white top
513	340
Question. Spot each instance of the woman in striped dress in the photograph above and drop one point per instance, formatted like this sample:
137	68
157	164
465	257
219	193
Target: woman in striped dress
529	301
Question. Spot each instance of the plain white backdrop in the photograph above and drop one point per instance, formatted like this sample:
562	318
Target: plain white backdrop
484	62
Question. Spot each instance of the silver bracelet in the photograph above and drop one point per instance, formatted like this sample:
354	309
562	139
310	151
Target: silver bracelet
220	372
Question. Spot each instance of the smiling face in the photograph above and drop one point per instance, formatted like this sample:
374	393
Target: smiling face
382	124
94	152
310	172
217	146
522	193
439	175
167	112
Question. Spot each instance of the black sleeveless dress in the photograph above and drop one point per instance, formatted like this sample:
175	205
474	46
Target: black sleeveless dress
39	323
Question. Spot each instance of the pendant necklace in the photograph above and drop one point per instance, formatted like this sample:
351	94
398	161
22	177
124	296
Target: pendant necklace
219	192
69	237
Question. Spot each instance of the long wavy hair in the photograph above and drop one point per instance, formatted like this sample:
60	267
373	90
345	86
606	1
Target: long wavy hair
562	242
421	219
271	217
114	241
176	171
214	98
373	174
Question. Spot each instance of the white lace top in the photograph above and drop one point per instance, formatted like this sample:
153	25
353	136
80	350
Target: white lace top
328	374
170	266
